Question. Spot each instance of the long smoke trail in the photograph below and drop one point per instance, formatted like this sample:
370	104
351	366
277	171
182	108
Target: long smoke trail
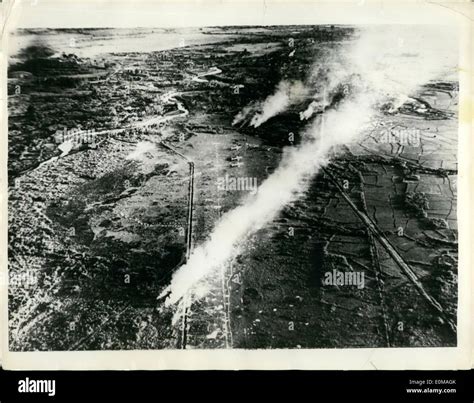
278	190
378	73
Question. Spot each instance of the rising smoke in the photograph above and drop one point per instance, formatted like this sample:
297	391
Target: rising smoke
382	64
310	110
287	93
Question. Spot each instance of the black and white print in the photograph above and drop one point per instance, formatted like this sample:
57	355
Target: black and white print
232	187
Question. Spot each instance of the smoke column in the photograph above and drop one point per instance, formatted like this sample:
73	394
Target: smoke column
309	111
286	94
245	113
383	64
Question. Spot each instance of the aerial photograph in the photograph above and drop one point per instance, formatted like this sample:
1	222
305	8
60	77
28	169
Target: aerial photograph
232	187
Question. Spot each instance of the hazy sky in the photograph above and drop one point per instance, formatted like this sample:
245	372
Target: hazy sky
181	13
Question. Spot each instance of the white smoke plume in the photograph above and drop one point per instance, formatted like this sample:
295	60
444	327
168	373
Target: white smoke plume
379	70
277	191
245	113
309	111
286	94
